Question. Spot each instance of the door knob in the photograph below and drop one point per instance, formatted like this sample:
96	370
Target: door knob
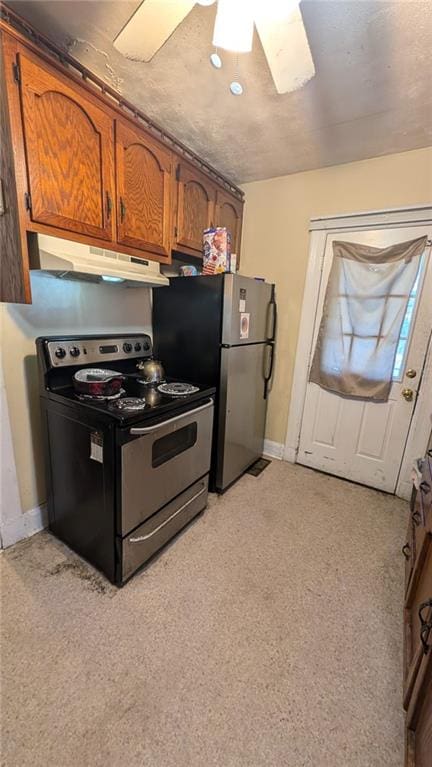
411	373
407	394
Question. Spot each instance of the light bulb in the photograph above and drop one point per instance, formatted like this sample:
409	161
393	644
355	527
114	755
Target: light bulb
216	60
205	2
236	88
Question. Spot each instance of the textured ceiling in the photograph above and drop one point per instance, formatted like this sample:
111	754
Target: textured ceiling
372	94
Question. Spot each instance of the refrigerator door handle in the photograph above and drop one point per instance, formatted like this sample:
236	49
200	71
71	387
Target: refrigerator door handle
267	378
273	309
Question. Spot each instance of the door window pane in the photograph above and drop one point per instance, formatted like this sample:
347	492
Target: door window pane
402	347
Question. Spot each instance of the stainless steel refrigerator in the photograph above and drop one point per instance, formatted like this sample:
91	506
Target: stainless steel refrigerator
220	330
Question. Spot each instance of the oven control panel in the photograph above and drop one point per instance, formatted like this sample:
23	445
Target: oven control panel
82	351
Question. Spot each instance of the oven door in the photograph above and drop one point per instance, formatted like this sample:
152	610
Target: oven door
159	462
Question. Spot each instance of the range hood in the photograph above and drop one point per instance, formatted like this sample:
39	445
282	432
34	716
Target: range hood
74	261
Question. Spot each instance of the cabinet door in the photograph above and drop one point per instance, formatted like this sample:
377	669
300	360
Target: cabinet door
195	208
229	213
144	189
419	718
69	146
14	274
417	613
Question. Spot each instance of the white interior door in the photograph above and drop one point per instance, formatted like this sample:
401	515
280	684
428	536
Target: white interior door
364	441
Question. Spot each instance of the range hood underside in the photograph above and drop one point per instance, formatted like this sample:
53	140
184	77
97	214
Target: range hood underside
71	260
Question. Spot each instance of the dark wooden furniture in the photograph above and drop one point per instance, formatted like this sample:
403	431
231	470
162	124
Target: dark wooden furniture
417	696
419	718
88	166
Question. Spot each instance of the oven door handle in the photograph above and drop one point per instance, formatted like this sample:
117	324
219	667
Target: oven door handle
151	429
159	527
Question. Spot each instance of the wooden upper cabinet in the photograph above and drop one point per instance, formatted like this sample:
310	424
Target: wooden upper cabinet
144	191
196	196
229	213
82	164
69	148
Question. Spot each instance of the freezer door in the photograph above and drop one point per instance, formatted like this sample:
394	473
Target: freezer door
187	328
247	315
242	411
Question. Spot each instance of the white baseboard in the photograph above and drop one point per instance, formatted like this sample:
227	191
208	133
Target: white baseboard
273	449
289	454
24	525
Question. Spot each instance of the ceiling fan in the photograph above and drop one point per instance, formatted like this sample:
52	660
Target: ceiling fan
279	25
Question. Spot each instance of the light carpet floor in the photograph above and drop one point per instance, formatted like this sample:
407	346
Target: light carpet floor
268	635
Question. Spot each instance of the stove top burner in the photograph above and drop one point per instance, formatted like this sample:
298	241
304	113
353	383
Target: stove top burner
129	404
101	397
177	389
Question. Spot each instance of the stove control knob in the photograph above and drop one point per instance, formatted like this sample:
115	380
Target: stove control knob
74	351
137	347
146	346
60	353
127	347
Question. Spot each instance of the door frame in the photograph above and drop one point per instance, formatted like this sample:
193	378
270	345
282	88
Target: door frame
421	424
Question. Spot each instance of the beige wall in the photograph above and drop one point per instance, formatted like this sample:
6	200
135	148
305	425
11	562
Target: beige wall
275	237
59	306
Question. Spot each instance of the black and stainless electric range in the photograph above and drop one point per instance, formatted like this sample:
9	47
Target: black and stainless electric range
126	473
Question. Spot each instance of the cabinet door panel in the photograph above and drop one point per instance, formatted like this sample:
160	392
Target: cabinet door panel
229	212
419	718
419	593
195	208
14	275
144	185
69	147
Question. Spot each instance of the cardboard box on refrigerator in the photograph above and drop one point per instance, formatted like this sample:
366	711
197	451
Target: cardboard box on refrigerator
216	250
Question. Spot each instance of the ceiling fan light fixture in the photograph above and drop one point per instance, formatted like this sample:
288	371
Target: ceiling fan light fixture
234	25
205	2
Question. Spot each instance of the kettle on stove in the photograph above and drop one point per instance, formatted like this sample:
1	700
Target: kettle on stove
151	371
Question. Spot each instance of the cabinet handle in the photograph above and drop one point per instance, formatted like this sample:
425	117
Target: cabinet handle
425	487
122	209
406	551
108	205
416	517
426	626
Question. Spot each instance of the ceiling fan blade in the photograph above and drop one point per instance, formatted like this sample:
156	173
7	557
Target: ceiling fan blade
149	28
283	37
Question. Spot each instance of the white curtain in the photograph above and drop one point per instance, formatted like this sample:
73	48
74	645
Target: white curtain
364	307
